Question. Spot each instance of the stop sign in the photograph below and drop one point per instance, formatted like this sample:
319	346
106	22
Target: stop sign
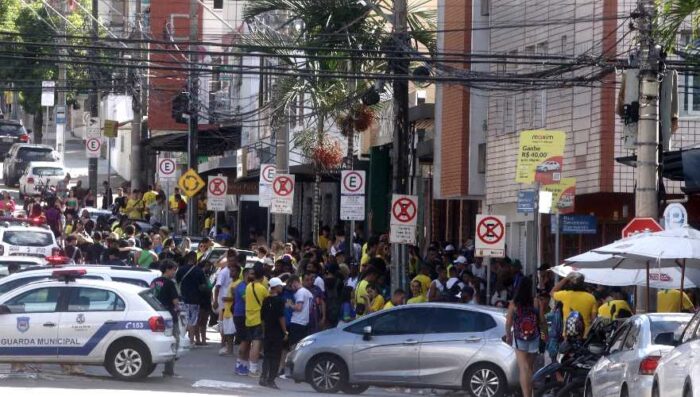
638	225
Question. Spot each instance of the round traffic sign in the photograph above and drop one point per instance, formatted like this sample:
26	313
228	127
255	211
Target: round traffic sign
166	167
283	186
268	173
490	230
404	210
217	187
352	181
93	144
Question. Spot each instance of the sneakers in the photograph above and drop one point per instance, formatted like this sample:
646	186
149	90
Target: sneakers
254	374
223	351
241	370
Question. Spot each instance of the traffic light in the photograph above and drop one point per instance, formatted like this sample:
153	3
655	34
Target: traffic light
180	108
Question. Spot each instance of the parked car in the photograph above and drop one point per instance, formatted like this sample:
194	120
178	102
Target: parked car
41	175
547	166
69	319
459	348
627	368
19	157
11	132
27	241
23	262
678	372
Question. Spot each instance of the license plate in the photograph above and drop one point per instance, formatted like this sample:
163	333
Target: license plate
8	139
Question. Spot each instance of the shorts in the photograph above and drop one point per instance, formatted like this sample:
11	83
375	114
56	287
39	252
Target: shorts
241	330
529	346
254	333
227	326
192	314
297	332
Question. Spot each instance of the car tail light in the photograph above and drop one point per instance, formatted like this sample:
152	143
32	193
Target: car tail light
157	324
24	138
58	260
648	365
30	180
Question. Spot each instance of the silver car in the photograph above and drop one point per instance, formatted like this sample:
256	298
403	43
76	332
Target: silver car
627	368
678	372
431	345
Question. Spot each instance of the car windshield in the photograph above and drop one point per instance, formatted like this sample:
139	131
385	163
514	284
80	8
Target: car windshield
47	171
5	265
11	129
665	326
27	238
35	154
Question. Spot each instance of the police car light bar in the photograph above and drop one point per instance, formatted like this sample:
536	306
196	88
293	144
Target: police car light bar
55	260
68	275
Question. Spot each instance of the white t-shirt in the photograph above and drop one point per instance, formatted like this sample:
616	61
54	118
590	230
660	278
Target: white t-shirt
320	283
479	272
305	297
223	281
351	282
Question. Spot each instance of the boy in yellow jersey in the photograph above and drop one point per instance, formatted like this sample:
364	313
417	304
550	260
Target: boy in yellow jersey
255	293
575	298
397	299
611	308
373	299
424	279
361	291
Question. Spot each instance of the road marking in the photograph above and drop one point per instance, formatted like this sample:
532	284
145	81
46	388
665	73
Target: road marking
220	385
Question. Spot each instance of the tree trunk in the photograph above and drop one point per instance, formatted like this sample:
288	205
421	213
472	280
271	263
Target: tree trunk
38	126
316	215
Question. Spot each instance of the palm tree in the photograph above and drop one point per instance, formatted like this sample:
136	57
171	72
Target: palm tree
318	38
670	19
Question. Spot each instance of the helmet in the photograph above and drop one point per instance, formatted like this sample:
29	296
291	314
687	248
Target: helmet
574	327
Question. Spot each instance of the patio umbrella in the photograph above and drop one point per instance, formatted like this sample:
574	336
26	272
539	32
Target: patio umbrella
664	278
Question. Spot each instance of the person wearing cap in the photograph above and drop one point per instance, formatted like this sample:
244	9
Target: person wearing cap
272	314
571	292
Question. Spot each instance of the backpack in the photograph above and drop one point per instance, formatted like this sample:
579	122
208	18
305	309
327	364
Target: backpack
449	294
526	325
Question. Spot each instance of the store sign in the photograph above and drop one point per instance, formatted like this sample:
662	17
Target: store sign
578	224
563	195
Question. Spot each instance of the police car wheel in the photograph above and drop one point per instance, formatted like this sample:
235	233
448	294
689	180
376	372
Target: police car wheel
129	360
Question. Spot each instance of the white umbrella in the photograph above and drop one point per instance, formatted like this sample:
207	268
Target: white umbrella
665	277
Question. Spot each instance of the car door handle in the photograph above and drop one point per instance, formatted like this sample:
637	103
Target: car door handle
110	322
472	340
410	342
49	325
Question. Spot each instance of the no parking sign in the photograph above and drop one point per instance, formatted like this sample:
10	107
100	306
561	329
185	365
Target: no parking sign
490	236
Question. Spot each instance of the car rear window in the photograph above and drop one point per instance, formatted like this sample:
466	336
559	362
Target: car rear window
47	171
662	327
27	238
11	129
35	154
152	301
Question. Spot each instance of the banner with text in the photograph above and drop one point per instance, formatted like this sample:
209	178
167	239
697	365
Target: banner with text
563	195
540	156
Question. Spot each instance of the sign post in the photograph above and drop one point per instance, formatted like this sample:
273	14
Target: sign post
166	173
267	176
404	217
282	194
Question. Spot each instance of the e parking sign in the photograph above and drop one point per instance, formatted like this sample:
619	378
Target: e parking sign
352	183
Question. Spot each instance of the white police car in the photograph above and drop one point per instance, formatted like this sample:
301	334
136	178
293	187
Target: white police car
76	321
27	241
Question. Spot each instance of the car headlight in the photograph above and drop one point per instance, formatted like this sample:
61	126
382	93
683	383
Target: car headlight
303	343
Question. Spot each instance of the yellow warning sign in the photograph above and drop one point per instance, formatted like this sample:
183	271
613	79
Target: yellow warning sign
110	129
190	183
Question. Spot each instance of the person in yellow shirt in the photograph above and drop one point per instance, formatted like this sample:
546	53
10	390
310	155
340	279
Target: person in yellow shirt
255	293
324	239
669	301
172	201
135	206
149	197
370	252
374	300
575	298
397	299
615	306
424	279
361	291
417	293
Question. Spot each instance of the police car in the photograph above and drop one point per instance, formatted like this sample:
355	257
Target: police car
27	241
76	321
130	275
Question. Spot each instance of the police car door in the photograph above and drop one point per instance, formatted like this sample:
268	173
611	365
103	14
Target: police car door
91	315
29	332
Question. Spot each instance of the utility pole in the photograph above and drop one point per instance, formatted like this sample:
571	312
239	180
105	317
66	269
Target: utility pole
94	97
646	194
647	190
282	165
137	105
400	67
61	127
192	141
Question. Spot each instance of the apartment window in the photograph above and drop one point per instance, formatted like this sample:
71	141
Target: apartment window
564	45
509	114
481	158
485	7
689	90
218	4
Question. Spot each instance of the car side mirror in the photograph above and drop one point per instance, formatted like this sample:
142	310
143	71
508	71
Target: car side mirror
5	310
367	332
596	348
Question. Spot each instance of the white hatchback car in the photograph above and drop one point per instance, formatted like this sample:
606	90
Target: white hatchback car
91	322
41	175
27	241
678	372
